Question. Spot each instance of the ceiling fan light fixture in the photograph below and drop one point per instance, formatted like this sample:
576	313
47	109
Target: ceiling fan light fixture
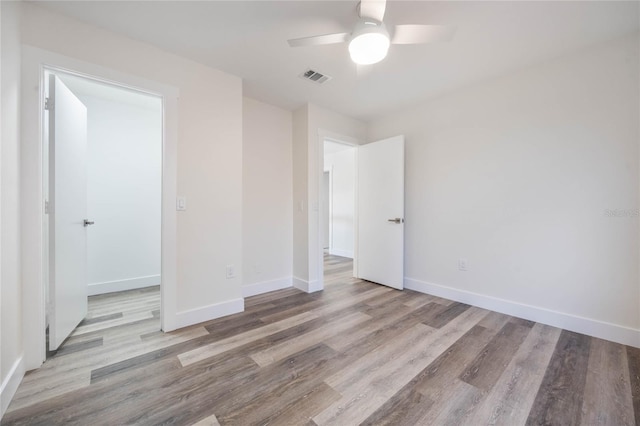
369	43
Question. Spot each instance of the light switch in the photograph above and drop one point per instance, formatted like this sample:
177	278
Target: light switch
181	203
231	271
463	264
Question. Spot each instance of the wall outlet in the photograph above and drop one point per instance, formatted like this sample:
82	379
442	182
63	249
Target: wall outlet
257	269
463	264
231	271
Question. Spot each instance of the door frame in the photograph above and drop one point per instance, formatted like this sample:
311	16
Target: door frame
324	135
34	251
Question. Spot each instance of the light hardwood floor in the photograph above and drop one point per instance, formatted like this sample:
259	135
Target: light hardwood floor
356	353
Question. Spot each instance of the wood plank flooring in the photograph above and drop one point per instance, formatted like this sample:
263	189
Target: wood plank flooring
356	353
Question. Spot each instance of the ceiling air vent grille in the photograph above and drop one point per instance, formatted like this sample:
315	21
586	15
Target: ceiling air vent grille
315	76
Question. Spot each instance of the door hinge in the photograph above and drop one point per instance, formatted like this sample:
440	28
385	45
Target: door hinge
48	105
46	207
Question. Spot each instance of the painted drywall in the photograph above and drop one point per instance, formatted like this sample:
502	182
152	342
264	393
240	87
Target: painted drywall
300	149
534	178
267	197
124	184
326	208
11	345
311	125
209	152
342	165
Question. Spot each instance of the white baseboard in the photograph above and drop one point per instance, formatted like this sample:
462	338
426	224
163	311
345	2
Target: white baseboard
207	313
341	253
314	286
10	384
266	286
300	284
591	327
306	286
122	285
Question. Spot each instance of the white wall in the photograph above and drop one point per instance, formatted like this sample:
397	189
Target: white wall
517	175
11	344
311	125
326	208
209	154
124	184
300	148
266	198
342	165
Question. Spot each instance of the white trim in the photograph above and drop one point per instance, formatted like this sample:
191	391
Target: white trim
10	384
314	286
330	218
207	313
254	289
341	253
300	284
306	286
123	285
588	326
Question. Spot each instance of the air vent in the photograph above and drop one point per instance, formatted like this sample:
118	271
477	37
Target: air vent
315	77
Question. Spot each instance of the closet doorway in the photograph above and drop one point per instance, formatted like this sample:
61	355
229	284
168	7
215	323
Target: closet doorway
103	192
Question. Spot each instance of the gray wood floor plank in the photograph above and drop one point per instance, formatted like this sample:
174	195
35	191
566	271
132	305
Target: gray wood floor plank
494	321
212	349
633	359
407	407
300	410
607	392
277	352
510	400
450	364
490	363
448	314
454	406
80	346
559	398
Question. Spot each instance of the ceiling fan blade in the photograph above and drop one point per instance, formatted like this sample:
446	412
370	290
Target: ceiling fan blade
373	9
416	34
319	40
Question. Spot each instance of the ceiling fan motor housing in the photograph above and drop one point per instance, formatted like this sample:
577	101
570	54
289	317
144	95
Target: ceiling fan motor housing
369	42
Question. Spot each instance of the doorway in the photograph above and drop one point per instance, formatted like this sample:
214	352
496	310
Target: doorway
339	210
378	213
104	270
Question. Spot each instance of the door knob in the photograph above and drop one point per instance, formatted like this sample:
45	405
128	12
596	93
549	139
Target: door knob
396	220
88	222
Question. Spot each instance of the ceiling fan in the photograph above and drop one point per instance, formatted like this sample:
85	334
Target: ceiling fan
369	41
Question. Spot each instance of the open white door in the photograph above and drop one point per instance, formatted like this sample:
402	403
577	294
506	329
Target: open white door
381	212
67	212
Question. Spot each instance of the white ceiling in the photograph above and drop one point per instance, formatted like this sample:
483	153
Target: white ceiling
249	39
81	86
333	147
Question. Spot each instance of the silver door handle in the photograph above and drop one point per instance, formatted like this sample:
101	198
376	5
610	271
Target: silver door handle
396	220
88	222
